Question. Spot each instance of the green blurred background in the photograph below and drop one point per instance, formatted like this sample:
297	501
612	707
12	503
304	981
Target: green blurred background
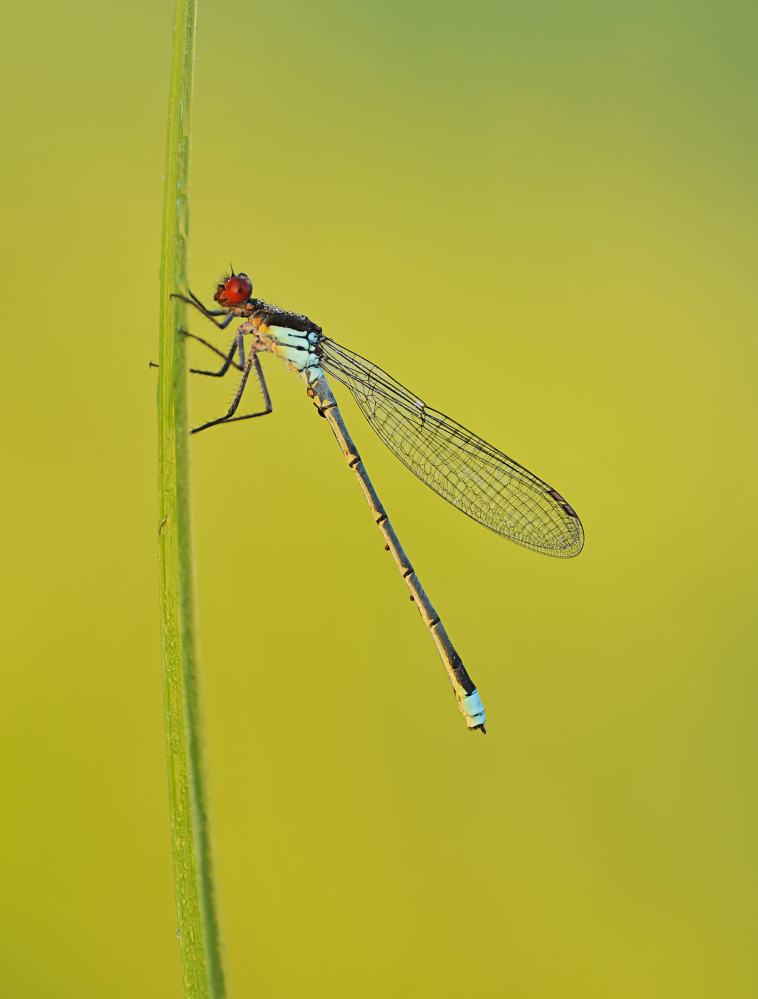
539	216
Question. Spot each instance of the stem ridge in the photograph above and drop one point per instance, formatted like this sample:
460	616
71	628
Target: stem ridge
199	931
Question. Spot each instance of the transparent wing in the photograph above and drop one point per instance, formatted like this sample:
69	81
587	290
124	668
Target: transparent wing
465	470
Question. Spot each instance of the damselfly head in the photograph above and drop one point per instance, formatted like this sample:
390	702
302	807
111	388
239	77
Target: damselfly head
234	290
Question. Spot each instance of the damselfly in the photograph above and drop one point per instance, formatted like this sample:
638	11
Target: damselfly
465	470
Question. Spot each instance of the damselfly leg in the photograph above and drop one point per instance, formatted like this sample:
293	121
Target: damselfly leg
208	313
252	363
238	347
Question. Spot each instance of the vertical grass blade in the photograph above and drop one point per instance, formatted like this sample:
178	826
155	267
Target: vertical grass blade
198	925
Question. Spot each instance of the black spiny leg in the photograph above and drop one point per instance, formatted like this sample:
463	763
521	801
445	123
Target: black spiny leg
208	313
252	362
237	347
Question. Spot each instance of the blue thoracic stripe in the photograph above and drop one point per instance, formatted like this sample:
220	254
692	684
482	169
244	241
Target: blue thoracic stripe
298	348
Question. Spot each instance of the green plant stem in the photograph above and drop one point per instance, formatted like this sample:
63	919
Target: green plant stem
199	933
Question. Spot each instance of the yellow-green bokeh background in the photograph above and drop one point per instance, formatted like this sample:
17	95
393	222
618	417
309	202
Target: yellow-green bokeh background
541	217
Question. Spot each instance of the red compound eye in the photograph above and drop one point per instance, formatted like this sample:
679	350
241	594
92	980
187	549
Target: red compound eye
238	289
